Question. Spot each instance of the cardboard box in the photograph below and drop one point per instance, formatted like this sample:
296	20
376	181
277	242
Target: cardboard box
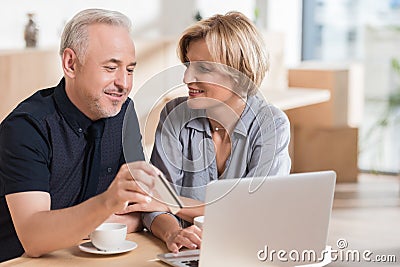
317	149
333	113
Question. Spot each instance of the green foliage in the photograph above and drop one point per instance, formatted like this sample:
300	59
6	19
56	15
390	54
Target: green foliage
256	13
390	116
396	65
394	97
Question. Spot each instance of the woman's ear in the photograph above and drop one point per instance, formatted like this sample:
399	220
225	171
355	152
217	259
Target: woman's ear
69	61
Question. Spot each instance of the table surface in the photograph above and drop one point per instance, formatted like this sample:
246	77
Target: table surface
144	255
285	99
295	97
149	246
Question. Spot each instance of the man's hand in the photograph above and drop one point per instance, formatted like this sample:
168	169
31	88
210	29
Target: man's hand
154	205
133	183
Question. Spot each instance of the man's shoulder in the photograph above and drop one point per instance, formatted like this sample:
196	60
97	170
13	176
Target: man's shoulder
37	106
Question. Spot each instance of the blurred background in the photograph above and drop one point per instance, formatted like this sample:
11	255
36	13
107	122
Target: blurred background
357	42
335	71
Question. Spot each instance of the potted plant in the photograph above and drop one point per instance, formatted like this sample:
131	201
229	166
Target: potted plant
389	119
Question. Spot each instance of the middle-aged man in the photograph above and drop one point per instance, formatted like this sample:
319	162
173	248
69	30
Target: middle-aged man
62	166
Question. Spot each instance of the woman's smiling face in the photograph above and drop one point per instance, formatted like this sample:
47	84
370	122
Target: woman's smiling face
209	86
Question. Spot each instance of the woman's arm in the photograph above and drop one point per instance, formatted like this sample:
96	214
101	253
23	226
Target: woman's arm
270	147
192	208
154	209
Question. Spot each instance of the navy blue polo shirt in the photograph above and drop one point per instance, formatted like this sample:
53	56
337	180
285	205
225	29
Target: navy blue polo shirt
43	147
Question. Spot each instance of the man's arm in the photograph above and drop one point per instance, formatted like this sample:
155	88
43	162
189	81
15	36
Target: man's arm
42	230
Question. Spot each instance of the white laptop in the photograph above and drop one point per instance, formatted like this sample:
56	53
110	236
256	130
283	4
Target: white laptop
249	221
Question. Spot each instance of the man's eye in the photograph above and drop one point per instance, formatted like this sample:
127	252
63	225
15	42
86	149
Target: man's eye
110	68
130	70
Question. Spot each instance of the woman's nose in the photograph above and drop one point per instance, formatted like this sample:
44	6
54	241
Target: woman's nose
189	75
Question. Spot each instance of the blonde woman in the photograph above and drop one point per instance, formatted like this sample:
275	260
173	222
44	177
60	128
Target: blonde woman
222	129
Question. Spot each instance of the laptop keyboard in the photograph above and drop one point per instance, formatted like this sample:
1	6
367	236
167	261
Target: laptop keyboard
191	263
185	258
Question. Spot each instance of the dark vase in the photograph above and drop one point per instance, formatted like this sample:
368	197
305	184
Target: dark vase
31	32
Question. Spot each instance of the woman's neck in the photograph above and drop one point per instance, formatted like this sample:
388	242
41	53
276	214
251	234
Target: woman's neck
225	117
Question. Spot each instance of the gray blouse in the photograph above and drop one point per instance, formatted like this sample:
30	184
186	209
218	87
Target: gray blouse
184	149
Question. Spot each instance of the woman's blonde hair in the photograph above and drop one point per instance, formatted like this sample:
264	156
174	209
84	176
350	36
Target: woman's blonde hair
233	40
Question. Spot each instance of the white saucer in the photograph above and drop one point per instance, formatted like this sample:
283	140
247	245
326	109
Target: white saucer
125	247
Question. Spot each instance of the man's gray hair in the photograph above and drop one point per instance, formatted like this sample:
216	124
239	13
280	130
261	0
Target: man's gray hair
75	34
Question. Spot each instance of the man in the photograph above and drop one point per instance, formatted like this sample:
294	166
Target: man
62	170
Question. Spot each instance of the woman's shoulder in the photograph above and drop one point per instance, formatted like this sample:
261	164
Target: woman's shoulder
177	102
175	105
262	107
265	111
176	109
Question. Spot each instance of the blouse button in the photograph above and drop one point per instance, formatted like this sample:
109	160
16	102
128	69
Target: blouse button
80	130
109	170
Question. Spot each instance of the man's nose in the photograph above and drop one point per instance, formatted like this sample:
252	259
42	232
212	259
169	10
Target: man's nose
123	79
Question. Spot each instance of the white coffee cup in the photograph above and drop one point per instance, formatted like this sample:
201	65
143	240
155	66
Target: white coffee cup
109	236
198	221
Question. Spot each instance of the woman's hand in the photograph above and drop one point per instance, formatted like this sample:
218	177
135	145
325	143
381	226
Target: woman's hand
189	237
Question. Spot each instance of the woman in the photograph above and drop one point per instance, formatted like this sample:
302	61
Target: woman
222	129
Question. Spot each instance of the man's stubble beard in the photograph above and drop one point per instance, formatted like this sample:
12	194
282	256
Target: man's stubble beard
103	112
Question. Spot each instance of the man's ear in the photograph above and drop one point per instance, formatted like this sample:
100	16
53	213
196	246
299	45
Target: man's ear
69	62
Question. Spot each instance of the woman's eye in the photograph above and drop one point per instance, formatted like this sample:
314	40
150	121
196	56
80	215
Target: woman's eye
203	68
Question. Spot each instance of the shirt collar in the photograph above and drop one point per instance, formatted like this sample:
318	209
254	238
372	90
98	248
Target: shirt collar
73	116
199	121
253	104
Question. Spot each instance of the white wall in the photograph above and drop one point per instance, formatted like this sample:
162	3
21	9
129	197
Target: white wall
285	16
282	16
210	7
52	15
150	17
